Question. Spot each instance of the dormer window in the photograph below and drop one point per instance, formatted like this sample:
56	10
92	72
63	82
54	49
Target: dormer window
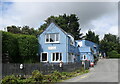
80	44
52	38
95	46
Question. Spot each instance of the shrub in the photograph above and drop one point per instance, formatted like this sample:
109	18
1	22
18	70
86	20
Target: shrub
28	47
64	73
10	46
26	81
118	55
23	46
113	54
37	76
56	76
9	80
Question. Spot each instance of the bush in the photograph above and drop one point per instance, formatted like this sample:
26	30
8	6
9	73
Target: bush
37	76
23	46
28	47
9	80
64	73
113	54
10	46
56	76
26	81
118	55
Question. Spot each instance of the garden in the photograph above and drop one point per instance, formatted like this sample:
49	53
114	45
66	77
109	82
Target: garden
39	78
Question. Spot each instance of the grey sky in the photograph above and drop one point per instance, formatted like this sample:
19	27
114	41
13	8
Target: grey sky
101	17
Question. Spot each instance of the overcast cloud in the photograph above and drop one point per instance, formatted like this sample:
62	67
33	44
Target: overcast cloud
101	17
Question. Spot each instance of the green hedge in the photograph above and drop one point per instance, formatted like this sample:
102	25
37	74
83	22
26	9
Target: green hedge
10	46
28	47
113	54
19	48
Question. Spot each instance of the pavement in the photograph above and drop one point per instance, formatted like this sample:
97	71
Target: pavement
106	70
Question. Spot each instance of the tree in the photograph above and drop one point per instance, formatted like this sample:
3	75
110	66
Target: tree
14	29
19	48
92	37
68	23
110	43
9	47
22	30
26	30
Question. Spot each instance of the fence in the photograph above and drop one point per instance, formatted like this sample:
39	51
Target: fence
44	68
86	64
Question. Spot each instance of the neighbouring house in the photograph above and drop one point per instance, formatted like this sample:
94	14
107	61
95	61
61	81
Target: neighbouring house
88	50
56	45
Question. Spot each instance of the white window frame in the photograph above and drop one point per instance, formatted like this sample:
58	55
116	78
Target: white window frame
55	38
47	57
85	57
55	56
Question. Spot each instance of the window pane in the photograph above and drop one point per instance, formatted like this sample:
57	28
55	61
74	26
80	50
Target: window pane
57	37
47	37
53	59
44	56
60	56
57	56
84	57
52	37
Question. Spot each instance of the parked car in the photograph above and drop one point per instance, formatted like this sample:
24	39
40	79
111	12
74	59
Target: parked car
92	64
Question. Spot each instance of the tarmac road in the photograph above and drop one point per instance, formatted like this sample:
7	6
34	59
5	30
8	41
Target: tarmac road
106	70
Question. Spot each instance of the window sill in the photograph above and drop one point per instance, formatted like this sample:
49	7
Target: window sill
52	42
44	61
55	61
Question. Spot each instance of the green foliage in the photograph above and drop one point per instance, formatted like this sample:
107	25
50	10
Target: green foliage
22	30
111	38
26	81
64	73
10	46
37	76
68	23
118	55
113	54
19	48
118	48
109	44
28	47
9	80
56	76
92	37
14	29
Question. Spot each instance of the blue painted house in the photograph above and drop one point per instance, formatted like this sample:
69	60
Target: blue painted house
56	45
88	50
